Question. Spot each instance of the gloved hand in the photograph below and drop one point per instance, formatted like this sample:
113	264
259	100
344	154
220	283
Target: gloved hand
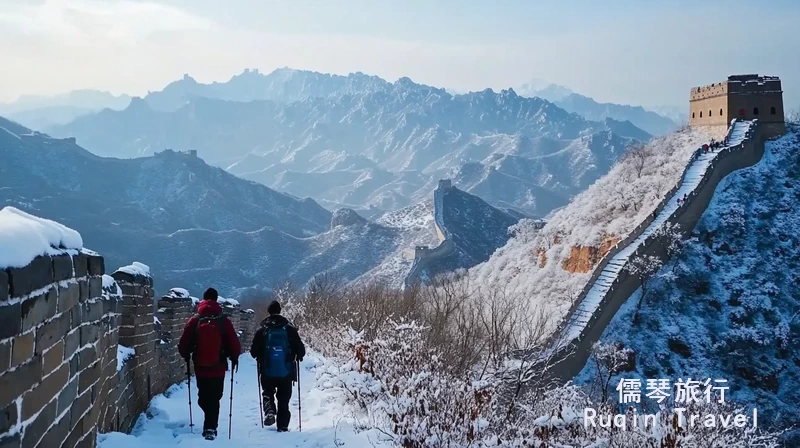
235	365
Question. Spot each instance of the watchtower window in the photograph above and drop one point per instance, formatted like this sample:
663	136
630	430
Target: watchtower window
709	112
701	114
692	114
720	112
755	111
773	111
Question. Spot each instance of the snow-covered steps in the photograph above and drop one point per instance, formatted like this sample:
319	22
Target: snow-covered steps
590	304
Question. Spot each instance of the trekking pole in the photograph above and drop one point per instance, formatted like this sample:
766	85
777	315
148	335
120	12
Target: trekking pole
260	397
299	406
189	383
230	410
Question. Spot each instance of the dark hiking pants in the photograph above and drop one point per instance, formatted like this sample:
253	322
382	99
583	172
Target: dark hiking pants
280	388
209	393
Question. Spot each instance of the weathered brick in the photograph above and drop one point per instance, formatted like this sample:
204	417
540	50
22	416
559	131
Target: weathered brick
81	264
67	396
5	356
53	358
84	284
20	380
10	320
95	287
68	296
22	349
74	368
89	376
36	310
14	441
56	435
86	356
89	440
92	311
3	285
97	265
90	333
34	276
37	428
8	417
71	343
52	332
78	409
36	398
62	267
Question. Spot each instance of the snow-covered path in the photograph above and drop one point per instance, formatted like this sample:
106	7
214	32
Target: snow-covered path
694	175
325	423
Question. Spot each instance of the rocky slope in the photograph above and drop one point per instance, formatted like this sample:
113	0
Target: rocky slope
727	306
355	141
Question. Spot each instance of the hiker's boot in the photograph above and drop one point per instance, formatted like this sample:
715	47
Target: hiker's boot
283	429
269	420
210	434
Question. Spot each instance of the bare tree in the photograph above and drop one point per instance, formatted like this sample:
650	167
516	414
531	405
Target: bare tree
609	360
637	156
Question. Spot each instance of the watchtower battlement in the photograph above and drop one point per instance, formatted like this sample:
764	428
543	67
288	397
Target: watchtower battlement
746	97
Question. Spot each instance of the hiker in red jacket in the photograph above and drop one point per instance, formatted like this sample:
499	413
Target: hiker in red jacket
210	339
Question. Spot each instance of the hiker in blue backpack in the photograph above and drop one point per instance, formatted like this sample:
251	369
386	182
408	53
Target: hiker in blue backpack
277	348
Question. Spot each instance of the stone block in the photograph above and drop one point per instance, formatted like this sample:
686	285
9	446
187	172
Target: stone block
62	267
95	287
84	284
3	285
20	380
5	356
52	332
36	398
92	311
22	349
56	435
67	396
79	408
74	368
75	435
97	265
90	333
86	356
89	376
68	296
34	276
36	430
8	417
89	441
53	358
38	309
81	264
71	343
10	320
14	441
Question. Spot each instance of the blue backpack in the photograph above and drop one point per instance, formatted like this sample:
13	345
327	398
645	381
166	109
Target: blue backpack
277	360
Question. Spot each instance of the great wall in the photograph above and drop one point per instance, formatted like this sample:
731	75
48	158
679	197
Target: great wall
66	330
424	256
568	349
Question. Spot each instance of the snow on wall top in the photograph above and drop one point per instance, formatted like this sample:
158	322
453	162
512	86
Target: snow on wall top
24	237
136	268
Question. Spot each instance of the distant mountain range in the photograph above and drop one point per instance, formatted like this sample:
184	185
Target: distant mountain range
197	225
39	112
650	121
359	141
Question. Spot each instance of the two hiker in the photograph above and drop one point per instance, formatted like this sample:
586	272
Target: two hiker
209	339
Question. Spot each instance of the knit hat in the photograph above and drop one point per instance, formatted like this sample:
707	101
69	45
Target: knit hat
274	307
210	294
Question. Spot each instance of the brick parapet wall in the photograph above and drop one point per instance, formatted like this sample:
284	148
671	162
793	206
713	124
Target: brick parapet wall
60	332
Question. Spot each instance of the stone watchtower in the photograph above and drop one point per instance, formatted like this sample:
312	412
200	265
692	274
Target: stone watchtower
742	96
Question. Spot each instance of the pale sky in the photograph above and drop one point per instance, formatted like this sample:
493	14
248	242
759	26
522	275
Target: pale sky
644	52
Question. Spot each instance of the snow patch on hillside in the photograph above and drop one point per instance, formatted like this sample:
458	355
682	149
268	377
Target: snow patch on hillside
611	207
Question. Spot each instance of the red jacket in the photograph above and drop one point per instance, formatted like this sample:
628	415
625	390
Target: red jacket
231	343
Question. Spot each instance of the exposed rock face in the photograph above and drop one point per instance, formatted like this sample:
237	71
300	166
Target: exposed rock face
345	217
582	259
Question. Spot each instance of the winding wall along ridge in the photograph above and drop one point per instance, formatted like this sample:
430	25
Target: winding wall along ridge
610	285
439	252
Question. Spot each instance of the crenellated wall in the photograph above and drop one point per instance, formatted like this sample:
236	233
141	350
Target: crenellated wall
63	327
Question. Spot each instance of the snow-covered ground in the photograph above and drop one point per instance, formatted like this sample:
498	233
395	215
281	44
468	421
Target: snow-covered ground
325	418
